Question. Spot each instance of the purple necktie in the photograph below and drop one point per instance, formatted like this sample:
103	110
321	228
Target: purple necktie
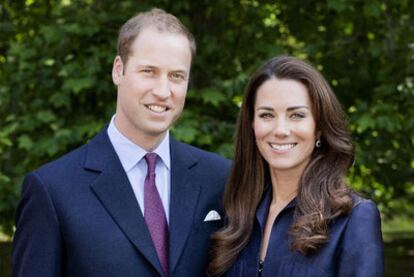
154	214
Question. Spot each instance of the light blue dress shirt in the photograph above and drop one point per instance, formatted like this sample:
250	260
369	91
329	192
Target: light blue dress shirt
132	159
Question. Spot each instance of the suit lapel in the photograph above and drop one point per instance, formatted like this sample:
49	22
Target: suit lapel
185	190
114	191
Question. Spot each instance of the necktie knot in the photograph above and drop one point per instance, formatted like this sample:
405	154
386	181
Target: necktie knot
151	158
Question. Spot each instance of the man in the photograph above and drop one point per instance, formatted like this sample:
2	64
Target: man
111	209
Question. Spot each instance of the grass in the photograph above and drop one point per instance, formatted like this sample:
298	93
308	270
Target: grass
403	227
4	237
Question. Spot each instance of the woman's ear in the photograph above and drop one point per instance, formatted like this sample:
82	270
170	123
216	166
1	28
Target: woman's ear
318	135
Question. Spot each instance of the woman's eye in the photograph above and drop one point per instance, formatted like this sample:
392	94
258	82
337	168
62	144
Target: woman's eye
265	115
297	115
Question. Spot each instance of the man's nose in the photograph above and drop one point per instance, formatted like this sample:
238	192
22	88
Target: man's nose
162	90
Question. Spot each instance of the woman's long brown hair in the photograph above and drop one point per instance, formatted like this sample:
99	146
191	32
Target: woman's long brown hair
323	193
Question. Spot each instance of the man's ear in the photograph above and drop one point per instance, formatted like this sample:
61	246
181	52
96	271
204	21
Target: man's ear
117	70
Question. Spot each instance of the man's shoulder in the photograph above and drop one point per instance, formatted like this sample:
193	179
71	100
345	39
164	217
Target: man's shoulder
202	155
69	162
66	162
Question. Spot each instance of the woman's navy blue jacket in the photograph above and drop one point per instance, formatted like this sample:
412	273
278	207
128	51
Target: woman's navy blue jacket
355	246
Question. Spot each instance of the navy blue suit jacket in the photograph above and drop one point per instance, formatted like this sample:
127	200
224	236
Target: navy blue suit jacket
354	248
78	216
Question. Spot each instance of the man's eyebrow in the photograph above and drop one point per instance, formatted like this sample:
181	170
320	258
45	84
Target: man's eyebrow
180	71
146	66
155	67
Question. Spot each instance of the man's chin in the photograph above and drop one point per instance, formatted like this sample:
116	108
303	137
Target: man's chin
157	133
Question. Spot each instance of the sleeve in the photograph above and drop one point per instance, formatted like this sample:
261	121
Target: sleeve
362	247
37	240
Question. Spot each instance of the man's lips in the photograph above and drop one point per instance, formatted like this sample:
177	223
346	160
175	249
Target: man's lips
157	108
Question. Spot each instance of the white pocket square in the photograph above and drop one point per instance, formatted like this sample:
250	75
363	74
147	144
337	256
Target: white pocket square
212	215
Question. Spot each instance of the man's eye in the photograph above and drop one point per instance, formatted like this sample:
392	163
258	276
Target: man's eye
177	76
147	71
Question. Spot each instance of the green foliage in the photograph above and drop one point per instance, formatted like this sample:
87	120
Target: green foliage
399	227
56	90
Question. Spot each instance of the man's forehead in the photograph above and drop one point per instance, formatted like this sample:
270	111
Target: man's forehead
151	32
153	48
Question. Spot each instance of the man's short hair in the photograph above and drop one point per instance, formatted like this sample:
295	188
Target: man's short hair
155	18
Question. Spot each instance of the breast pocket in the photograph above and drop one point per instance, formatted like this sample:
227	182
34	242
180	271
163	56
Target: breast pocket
209	226
209	220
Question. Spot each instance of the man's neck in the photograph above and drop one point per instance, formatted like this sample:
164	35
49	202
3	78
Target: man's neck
146	142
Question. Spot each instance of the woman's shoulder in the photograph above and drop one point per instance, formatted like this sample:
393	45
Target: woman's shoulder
362	250
364	215
363	205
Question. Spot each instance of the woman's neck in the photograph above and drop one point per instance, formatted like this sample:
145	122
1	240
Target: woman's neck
284	186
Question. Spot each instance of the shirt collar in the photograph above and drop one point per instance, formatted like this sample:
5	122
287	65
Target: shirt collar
130	153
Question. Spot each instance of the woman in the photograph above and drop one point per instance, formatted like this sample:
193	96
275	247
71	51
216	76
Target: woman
289	209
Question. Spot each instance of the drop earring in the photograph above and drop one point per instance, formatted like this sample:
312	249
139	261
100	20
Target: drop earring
318	143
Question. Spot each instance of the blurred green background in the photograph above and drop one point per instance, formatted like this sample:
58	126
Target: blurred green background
56	90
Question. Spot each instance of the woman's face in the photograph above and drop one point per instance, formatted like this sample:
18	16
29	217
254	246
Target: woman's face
284	125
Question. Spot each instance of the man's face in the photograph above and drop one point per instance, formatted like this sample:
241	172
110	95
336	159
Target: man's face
152	86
